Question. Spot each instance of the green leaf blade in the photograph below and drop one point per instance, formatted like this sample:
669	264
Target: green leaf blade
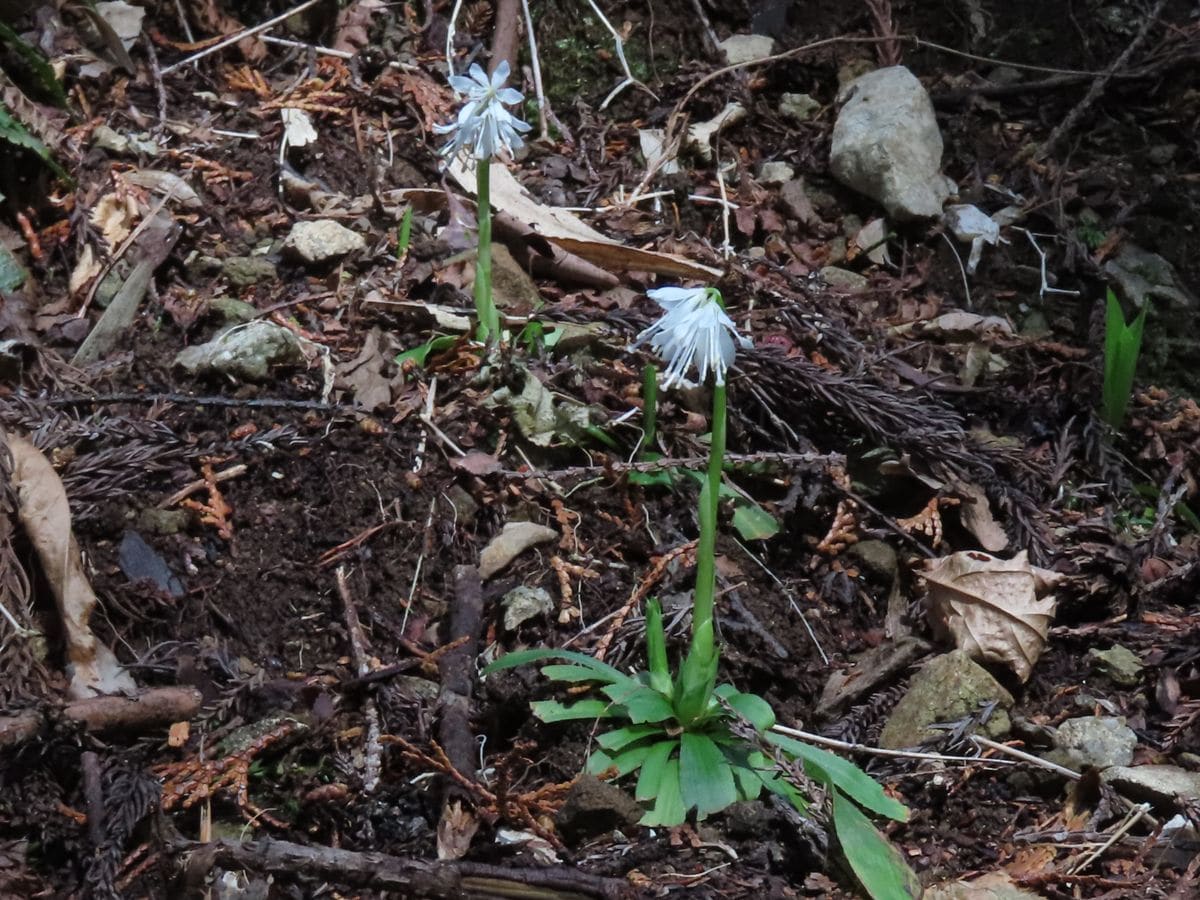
876	863
705	776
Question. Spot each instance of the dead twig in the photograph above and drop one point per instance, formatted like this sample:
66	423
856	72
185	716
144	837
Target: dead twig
239	36
408	877
373	752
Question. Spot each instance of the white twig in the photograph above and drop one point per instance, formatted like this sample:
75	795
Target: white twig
300	45
961	269
620	46
810	738
1026	757
419	458
1134	816
416	579
537	71
1045	289
726	246
241	35
450	36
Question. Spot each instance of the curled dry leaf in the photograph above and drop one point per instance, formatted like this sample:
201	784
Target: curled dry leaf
995	609
46	517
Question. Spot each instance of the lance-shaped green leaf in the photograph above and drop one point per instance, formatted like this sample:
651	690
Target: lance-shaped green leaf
668	806
656	650
875	862
835	772
705	777
604	672
590	709
654	768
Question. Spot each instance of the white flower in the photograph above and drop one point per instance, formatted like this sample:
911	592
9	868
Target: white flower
695	329
484	125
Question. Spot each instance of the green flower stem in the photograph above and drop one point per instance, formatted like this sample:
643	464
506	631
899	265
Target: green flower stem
485	306
706	547
649	405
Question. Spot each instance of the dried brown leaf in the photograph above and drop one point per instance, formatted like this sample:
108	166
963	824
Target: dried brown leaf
994	609
46	517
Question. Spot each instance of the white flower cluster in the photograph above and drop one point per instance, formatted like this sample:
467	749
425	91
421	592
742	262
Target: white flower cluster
483	125
695	329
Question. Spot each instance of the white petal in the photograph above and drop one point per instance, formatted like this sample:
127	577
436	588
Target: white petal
478	75
461	83
509	97
500	75
668	297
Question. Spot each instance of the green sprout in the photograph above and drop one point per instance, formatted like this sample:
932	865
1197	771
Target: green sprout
1122	345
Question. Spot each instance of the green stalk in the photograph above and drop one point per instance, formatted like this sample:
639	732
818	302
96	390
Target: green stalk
649	405
698	674
706	547
485	306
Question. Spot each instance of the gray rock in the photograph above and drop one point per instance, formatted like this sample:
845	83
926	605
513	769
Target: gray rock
887	146
1120	664
1159	785
744	48
1143	276
797	203
163	521
594	807
1093	741
776	172
523	603
878	558
243	271
233	311
322	241
243	352
799	107
946	688
844	280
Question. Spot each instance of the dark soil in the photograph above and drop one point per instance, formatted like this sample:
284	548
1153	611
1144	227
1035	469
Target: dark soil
260	628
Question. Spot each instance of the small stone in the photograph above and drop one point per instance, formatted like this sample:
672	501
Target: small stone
776	172
594	807
1120	664
243	271
877	558
233	311
513	540
796	202
1160	785
1161	154
748	819
465	507
945	689
322	241
799	107
1093	741
523	603
163	521
243	352
744	48
836	251
844	280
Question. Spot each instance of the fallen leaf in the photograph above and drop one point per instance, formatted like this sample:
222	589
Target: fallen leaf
511	542
352	30
177	736
45	515
113	216
476	462
977	518
992	608
992	886
567	231
456	828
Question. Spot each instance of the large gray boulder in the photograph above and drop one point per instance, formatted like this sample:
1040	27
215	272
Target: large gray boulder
886	145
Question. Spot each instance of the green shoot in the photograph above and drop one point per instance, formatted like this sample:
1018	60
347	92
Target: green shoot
1122	345
404	235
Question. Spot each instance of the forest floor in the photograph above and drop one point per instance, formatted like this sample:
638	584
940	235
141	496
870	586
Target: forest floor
287	561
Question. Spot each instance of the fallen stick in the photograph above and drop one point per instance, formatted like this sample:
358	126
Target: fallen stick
157	706
409	877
